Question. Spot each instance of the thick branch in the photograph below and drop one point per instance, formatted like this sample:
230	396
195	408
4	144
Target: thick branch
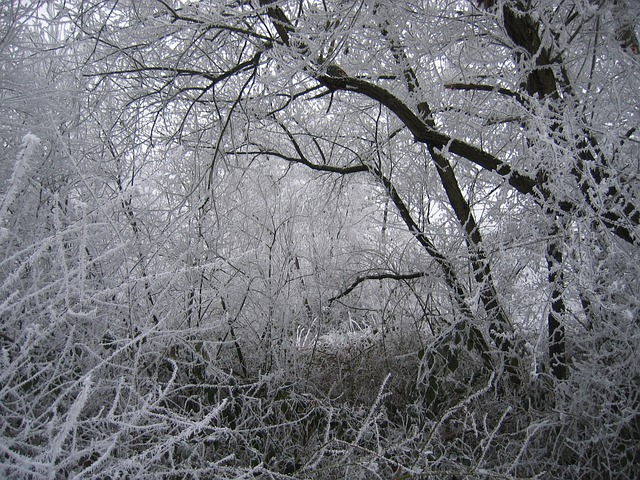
377	276
279	18
479	87
313	166
424	134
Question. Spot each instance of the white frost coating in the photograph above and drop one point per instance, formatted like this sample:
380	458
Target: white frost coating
69	423
29	144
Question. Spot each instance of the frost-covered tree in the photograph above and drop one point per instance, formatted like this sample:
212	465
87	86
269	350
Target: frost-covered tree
320	239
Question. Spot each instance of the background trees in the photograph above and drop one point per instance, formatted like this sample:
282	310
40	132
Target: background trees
320	239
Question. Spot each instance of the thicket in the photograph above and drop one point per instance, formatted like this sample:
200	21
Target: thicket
319	240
